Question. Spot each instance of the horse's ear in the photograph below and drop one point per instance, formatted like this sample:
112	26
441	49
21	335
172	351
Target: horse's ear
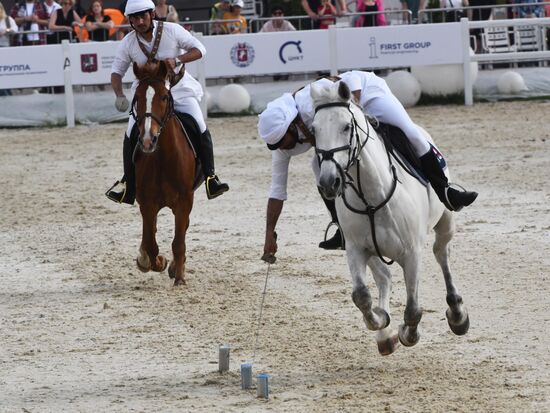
343	91
314	91
135	67
163	70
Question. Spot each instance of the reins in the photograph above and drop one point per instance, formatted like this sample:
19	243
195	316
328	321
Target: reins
354	153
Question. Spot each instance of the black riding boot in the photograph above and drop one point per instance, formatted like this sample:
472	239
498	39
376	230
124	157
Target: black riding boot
452	198
337	241
214	187
128	181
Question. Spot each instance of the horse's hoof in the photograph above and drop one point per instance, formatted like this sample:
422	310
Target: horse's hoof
172	270
406	337
179	281
163	263
142	268
458	323
388	346
383	319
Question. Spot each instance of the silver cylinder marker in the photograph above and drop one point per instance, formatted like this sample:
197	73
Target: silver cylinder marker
246	376
223	364
262	386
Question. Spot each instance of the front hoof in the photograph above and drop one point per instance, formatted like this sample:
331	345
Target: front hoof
459	323
161	264
172	270
378	319
408	336
142	266
388	346
179	282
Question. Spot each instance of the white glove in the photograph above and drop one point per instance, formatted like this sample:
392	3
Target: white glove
121	103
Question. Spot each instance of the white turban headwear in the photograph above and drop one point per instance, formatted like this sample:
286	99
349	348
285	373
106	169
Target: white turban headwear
136	6
276	118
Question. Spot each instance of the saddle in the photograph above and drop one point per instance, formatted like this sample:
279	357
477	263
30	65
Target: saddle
193	134
399	146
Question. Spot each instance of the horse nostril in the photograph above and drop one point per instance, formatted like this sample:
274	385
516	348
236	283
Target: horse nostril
337	183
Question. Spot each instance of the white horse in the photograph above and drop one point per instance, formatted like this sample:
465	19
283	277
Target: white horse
383	212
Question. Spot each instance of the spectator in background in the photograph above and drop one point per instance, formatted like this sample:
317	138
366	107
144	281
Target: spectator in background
187	25
97	23
326	13
311	8
64	20
454	9
50	6
277	23
30	15
524	12
216	13
234	13
7	27
164	11
414	6
364	6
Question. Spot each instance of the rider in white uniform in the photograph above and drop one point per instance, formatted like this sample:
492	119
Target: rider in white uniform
175	43
277	127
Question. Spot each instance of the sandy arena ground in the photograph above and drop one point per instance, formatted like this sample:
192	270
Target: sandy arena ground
82	330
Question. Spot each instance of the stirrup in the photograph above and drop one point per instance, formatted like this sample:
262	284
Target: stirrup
117	197
447	202
342	245
222	187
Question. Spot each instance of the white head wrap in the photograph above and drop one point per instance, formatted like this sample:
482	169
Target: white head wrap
135	6
239	3
276	118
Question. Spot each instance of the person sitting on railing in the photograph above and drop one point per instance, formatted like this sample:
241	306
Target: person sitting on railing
524	12
370	20
234	13
30	15
98	23
277	23
64	20
311	7
216	13
414	6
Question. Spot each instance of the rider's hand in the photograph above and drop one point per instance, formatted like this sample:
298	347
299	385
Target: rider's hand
122	104
270	248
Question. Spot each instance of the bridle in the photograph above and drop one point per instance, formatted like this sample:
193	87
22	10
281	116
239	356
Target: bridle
354	149
168	113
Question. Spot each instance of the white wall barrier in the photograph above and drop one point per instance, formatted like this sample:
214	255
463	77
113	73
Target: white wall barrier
332	50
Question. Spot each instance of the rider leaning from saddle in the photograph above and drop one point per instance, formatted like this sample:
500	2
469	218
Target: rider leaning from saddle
285	125
175	43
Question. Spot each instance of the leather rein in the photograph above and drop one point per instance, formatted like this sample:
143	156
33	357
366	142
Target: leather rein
354	152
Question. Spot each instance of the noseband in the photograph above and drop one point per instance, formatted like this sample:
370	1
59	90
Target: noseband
167	113
354	153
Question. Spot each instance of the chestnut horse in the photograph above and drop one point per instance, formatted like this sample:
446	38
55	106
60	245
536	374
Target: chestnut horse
165	167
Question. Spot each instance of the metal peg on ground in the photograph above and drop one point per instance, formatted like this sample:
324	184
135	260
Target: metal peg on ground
223	363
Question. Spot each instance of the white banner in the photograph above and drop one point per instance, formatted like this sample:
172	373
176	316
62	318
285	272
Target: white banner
31	66
399	46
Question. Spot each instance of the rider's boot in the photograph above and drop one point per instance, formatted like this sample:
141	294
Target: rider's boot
337	241
452	198
127	185
214	187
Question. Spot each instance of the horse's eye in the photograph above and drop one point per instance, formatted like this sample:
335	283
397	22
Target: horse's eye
165	97
347	128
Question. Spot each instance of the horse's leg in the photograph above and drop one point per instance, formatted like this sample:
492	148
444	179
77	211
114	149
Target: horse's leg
149	258
177	266
408	332
375	318
457	316
385	339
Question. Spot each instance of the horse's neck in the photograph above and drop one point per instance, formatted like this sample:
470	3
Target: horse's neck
376	176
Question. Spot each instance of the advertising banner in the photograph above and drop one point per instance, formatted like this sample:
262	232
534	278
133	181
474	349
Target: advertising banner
31	66
399	46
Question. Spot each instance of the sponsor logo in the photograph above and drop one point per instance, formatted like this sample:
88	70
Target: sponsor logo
291	51
88	62
242	54
395	47
15	68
